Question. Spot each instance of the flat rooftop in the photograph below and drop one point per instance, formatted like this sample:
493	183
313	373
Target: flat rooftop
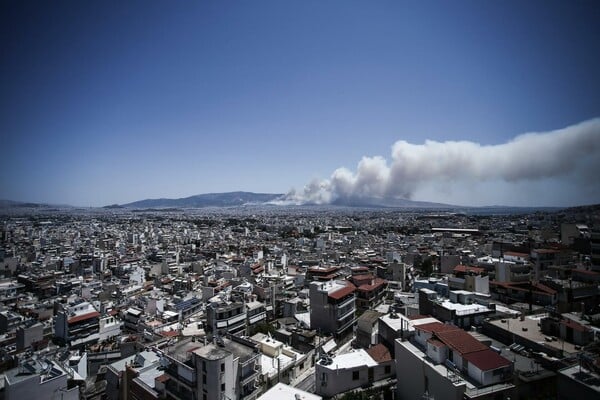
583	376
216	352
464	309
281	391
529	329
353	359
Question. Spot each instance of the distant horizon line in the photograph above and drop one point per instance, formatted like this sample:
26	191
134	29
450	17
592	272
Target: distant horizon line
357	205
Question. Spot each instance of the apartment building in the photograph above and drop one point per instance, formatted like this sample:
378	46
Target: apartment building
226	316
445	362
77	324
38	379
332	307
226	369
352	370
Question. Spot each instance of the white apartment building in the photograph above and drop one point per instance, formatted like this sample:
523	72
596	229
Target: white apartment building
77	324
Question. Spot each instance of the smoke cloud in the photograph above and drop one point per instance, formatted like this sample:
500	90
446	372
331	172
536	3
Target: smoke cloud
569	153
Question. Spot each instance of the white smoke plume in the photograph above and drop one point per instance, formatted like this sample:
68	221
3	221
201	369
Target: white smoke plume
570	152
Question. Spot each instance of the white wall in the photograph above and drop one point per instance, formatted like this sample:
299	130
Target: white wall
414	373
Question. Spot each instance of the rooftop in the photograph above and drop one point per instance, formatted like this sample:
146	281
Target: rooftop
460	341
352	359
529	329
583	376
281	391
487	360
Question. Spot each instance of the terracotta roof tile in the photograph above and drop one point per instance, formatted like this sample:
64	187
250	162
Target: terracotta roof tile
436	327
460	341
83	317
342	292
486	360
379	353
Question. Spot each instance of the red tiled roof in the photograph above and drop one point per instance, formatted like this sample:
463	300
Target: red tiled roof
436	327
162	378
83	317
379	353
342	292
461	341
486	360
169	333
377	282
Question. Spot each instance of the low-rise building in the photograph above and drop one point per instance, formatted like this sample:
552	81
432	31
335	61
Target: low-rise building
445	362
228	368
350	371
38	379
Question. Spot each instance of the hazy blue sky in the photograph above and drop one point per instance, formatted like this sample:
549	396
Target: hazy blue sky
109	101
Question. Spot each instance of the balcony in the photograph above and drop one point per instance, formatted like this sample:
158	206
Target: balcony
249	392
253	375
345	315
345	302
344	326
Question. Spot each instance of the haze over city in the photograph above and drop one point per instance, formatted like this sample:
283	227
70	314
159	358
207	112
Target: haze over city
471	103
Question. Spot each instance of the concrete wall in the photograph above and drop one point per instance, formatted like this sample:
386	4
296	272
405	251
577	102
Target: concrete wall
28	335
416	376
330	382
215	377
32	389
437	354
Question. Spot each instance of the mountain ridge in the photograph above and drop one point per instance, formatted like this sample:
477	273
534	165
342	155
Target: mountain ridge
241	198
225	199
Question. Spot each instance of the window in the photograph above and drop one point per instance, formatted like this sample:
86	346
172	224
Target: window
222	387
222	367
204	379
204	396
355	375
387	369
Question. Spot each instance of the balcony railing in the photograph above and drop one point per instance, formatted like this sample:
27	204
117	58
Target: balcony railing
250	377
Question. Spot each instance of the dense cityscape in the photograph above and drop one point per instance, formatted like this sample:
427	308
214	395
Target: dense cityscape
299	200
299	302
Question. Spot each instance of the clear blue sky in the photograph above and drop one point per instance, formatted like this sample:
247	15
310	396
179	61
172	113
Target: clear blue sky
109	101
